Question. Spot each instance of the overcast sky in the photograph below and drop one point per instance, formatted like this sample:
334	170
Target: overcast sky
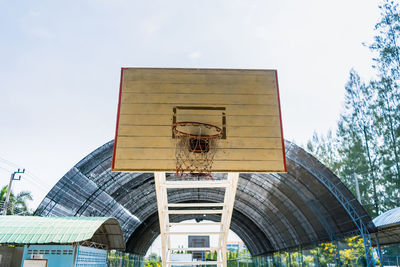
60	65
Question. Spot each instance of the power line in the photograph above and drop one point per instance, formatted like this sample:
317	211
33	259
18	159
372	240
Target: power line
9	163
30	174
41	187
5	169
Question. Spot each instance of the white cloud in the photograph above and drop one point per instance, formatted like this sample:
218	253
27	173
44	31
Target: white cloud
194	55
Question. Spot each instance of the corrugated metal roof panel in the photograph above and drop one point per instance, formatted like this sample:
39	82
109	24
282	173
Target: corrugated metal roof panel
390	217
60	230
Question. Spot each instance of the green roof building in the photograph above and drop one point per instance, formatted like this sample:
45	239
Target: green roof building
58	241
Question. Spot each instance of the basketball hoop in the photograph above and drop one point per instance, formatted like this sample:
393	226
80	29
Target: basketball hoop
195	146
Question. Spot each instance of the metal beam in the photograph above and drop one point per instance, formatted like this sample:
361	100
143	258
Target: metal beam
195	249
350	209
195	184
159	179
194	224
195	233
189	205
193	262
193	211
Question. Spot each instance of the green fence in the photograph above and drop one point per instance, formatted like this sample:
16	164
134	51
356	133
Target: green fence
348	252
240	263
121	259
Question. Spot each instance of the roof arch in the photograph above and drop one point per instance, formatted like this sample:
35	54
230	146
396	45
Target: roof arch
272	211
61	230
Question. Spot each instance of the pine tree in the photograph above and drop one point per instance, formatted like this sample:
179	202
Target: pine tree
324	148
387	97
353	163
367	141
359	117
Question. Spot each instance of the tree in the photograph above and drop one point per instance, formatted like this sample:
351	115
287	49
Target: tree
153	257
17	203
357	123
367	140
387	96
324	148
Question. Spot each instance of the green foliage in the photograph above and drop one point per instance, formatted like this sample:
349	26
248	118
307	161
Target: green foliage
118	259
153	257
215	256
367	140
17	203
153	260
350	251
324	149
150	263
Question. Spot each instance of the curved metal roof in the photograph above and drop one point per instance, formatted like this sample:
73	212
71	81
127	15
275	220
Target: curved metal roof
390	217
61	230
388	226
272	212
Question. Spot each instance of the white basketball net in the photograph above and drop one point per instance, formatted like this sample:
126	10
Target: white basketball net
195	147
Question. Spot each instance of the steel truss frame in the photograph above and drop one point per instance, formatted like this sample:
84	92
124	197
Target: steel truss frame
162	185
351	211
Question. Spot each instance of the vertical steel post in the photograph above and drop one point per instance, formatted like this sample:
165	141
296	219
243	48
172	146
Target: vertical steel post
301	256
337	254
357	188
378	248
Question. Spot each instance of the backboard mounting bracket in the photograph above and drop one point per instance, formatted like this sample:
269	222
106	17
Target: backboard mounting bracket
165	209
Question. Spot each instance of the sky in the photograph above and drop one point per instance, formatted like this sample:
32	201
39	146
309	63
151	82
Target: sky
60	66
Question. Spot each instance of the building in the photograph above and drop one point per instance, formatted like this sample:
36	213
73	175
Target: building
235	246
58	241
199	241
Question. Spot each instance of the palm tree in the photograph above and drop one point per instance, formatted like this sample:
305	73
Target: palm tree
17	203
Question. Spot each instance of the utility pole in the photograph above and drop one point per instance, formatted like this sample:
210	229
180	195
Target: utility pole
12	178
357	188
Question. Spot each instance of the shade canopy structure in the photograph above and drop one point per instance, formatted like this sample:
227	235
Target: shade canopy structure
61	230
388	227
272	211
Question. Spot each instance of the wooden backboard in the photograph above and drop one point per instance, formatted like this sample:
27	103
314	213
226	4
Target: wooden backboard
245	103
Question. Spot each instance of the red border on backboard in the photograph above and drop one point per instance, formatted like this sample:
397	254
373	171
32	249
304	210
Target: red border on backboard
116	128
280	117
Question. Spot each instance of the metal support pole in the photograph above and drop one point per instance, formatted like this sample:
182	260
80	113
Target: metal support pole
378	248
120	259
357	188
237	256
337	254
12	178
301	256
